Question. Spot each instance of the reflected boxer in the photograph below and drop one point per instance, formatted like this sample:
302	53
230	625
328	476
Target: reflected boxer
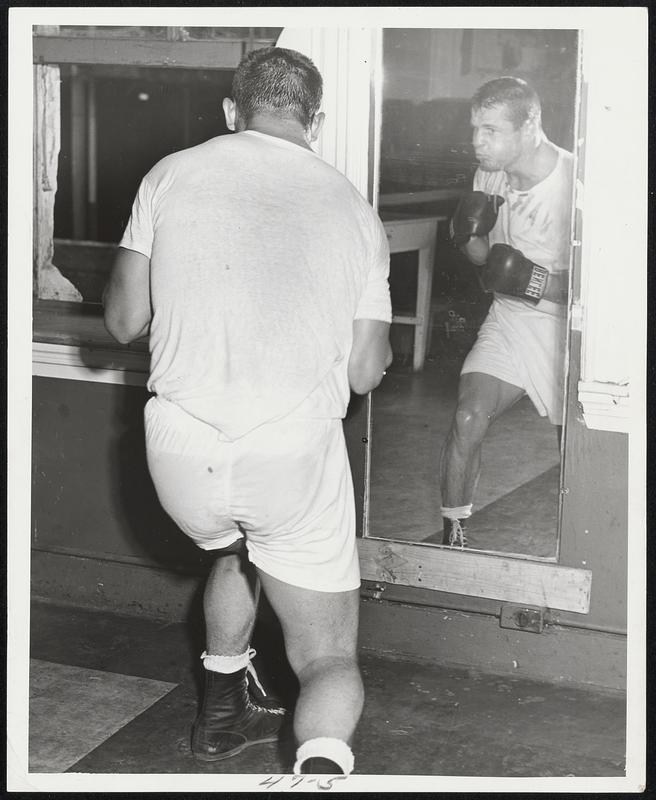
515	227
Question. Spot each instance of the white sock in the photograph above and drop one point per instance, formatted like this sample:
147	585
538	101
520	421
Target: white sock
226	664
458	512
229	664
324	747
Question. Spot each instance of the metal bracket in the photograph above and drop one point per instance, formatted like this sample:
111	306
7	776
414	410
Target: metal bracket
372	590
523	618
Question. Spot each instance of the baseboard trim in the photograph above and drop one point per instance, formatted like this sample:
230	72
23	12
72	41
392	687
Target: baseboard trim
476	641
473	640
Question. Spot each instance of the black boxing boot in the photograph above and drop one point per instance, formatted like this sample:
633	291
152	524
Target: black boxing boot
231	719
455	533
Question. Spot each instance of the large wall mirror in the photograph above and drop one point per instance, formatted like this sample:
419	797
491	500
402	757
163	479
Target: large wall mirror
426	160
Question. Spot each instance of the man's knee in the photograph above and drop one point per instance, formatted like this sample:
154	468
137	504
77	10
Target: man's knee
471	421
312	654
320	665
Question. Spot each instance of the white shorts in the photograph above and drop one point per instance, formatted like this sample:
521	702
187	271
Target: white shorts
527	349
285	487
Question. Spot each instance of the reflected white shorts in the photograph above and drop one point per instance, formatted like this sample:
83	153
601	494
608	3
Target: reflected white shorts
526	349
285	487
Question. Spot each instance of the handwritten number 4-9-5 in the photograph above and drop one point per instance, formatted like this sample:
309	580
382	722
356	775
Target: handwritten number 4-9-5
296	780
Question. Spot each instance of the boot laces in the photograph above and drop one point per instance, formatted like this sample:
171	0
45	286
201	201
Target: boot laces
457	535
250	669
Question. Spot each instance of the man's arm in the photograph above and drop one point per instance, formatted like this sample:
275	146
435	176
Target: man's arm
126	298
557	288
370	356
508	271
476	250
475	216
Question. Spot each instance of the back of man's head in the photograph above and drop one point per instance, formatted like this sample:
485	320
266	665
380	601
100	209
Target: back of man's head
521	100
274	80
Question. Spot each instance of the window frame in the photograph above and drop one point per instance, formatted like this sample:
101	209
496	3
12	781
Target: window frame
70	342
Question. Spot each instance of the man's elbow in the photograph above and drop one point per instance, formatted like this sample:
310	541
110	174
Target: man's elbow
476	250
364	385
124	331
121	335
368	377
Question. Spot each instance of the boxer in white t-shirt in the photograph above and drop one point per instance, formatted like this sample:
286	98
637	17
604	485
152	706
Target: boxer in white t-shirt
261	277
515	226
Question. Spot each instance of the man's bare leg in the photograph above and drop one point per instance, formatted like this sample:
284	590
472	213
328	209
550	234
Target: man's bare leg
231	717
481	399
230	602
320	631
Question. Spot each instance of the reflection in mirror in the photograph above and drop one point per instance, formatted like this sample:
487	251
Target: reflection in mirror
480	449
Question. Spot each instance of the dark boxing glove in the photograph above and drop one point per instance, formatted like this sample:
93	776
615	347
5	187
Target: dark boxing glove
475	215
508	271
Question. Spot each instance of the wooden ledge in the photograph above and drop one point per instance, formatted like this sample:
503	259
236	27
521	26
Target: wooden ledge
514	580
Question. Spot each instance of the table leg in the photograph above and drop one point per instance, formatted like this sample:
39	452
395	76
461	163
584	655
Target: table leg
424	290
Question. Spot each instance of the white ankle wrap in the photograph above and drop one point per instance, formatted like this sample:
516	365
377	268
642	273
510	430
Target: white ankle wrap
458	512
226	664
324	747
229	664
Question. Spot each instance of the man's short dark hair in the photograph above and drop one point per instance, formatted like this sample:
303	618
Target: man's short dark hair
277	81
520	99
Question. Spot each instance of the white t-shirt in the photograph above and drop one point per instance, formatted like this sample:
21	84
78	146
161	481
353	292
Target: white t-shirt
261	256
536	221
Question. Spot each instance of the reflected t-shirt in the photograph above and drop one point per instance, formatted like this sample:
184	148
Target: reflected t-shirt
536	221
261	256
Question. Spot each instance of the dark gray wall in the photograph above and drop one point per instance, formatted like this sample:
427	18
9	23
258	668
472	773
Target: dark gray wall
91	491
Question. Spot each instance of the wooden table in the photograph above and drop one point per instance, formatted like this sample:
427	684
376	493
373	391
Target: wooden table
407	235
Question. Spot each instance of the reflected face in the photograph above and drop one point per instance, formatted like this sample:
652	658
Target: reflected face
497	143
